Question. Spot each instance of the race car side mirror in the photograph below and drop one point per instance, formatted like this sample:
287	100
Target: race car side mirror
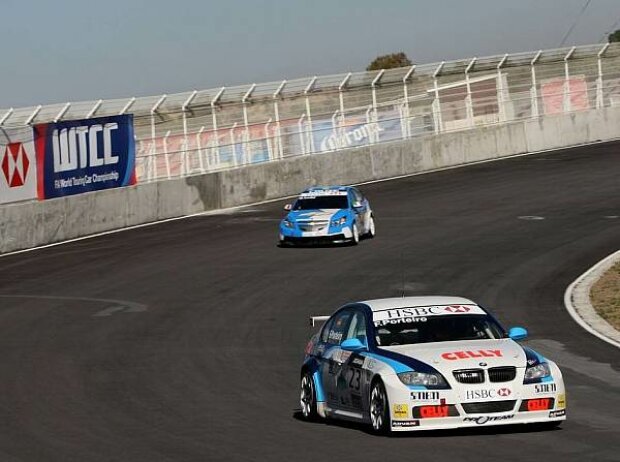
288	207
357	204
352	344
517	333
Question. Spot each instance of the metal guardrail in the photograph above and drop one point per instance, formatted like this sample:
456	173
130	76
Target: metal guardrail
209	130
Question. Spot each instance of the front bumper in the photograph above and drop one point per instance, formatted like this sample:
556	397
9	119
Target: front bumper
293	236
446	409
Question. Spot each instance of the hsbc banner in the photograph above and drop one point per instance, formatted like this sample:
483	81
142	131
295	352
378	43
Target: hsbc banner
18	167
78	156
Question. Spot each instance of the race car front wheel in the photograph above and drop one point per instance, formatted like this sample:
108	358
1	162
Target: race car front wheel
356	234
308	397
379	408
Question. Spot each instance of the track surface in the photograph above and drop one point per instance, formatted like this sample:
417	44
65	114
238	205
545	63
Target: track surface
183	341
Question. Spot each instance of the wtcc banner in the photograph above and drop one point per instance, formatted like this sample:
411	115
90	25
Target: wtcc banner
77	156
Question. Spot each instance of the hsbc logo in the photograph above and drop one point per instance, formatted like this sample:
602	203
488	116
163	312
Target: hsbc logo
15	165
488	393
456	309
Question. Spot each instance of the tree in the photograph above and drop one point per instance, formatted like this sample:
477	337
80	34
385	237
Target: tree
389	61
614	36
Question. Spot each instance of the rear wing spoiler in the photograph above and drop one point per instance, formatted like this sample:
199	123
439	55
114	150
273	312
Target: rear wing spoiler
316	319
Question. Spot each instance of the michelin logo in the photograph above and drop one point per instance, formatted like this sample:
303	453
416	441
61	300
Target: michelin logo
77	147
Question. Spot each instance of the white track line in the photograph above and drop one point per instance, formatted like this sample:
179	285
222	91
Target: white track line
577	302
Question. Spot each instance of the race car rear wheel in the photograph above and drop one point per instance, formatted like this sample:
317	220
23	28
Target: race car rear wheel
307	398
379	408
371	228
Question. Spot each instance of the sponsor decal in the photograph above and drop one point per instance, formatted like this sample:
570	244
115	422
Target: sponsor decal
400	411
561	404
84	155
545	388
18	173
385	322
323	192
488	393
425	396
486	419
430	412
541	404
358	362
469	354
560	413
335	335
405	423
423	311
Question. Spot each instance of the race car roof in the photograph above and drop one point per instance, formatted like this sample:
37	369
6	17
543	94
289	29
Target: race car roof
382	304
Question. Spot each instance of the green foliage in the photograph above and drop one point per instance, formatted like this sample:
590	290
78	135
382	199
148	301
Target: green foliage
389	61
614	36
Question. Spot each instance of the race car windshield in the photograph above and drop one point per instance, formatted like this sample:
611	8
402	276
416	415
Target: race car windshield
407	331
321	202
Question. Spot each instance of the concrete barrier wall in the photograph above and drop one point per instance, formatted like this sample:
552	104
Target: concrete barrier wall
31	224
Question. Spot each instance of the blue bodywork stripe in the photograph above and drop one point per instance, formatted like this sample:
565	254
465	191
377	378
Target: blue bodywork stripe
318	387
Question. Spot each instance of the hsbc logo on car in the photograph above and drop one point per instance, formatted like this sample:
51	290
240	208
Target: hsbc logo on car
456	309
488	393
15	165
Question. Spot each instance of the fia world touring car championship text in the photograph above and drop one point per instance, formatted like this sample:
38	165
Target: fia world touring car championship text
86	180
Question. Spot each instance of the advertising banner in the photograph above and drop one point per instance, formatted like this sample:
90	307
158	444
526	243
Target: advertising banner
18	167
78	156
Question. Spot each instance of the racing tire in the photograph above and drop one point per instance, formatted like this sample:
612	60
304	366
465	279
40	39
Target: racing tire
355	239
372	230
307	398
379	409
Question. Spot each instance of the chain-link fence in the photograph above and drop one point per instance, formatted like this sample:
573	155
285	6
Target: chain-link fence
208	130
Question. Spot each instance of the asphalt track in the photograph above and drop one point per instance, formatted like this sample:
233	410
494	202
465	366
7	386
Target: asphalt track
183	341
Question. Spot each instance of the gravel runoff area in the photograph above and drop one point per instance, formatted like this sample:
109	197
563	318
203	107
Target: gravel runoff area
605	296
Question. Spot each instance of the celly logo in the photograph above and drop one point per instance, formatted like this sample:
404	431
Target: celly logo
15	165
77	147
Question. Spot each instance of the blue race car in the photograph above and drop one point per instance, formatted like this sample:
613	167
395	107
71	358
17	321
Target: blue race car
335	214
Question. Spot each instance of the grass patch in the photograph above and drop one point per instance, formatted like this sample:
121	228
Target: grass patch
605	296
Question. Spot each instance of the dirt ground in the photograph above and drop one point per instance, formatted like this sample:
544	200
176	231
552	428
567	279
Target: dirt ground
605	296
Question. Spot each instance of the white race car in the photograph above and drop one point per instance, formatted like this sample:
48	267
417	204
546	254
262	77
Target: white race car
421	363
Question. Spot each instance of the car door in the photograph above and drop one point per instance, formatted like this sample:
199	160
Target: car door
352	380
333	357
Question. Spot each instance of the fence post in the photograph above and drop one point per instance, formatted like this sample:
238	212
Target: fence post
437	102
375	116
32	116
406	114
246	131
128	105
341	87
600	102
184	109
6	116
94	109
233	143
276	110
567	106
533	89
199	150
153	112
307	91
300	127
500	91
469	107
216	136
166	154
270	153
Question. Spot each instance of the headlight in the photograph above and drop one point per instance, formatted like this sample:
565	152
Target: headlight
339	221
420	378
287	223
535	373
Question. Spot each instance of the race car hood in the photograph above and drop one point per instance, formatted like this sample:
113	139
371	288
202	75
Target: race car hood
314	215
449	356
